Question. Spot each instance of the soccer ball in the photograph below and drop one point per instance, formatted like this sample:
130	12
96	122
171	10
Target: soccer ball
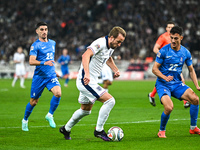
115	133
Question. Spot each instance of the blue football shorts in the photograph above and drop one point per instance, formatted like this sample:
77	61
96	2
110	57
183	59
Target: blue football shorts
65	71
39	83
176	90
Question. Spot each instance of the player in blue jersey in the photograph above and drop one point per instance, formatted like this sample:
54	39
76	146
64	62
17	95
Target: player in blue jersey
64	60
42	56
168	67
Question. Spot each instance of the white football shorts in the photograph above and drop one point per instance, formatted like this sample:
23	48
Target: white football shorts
89	93
20	70
107	73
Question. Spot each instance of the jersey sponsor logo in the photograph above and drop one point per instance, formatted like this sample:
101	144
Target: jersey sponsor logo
32	48
97	46
43	47
53	48
168	56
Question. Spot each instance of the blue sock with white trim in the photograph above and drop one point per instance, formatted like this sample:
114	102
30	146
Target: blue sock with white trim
194	110
163	122
54	104
28	111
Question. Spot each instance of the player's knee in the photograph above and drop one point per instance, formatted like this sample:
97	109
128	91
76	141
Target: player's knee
109	83
169	109
195	100
57	94
33	102
86	112
111	102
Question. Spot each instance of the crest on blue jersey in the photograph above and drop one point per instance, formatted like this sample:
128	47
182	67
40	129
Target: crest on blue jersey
181	59
97	46
32	47
158	54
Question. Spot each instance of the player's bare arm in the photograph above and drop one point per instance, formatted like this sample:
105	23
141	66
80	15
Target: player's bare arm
33	61
193	77
157	72
156	48
85	61
110	62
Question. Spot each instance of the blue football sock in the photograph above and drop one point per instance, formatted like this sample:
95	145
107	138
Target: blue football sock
54	104
194	110
66	81
28	111
163	122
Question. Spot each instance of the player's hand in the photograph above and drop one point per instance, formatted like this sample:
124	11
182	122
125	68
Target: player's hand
169	78
49	63
86	79
117	74
198	88
57	75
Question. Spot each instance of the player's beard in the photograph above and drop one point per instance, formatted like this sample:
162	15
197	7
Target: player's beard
113	46
44	37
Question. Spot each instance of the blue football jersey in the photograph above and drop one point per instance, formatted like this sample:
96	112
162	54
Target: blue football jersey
172	62
44	51
65	59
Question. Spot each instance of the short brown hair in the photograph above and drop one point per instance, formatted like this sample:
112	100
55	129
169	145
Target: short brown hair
115	32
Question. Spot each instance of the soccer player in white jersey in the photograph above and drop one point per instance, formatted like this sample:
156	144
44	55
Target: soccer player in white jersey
19	59
93	59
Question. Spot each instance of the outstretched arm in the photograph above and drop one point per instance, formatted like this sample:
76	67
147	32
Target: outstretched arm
193	76
85	62
110	62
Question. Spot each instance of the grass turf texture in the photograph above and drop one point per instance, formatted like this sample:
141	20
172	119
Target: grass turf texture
132	112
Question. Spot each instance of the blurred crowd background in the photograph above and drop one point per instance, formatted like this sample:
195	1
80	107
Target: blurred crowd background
74	24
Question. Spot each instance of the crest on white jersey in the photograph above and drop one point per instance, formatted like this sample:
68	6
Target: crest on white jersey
97	46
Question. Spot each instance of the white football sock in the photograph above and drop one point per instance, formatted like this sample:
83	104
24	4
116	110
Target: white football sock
104	113
192	127
76	117
21	81
14	81
49	114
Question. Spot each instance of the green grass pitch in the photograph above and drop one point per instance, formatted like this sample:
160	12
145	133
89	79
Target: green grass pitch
132	112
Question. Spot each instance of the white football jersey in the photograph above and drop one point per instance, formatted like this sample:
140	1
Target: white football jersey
19	57
101	54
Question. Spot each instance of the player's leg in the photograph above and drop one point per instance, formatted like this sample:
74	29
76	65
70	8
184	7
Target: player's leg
37	88
14	80
28	111
77	116
152	96
106	83
108	103
22	81
55	100
168	107
66	77
190	96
